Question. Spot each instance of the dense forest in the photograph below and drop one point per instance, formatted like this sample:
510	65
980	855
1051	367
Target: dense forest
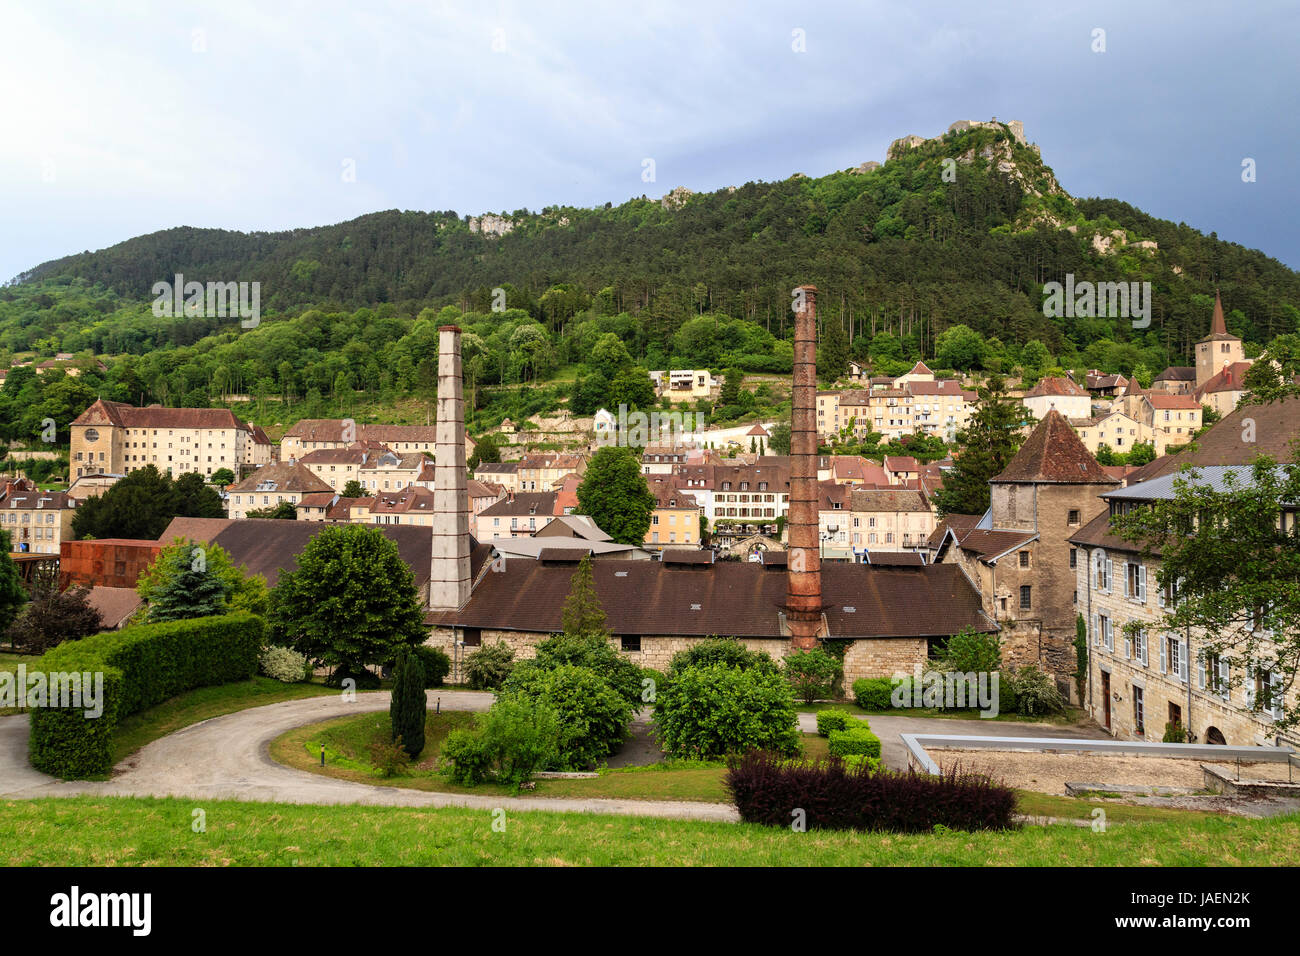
919	258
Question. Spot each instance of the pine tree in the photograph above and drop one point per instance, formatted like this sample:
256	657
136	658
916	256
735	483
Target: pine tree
833	361
583	614
190	588
408	705
988	444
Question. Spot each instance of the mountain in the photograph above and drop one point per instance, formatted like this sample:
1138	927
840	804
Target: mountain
960	228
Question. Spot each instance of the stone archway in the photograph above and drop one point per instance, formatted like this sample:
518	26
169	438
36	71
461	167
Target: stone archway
1213	735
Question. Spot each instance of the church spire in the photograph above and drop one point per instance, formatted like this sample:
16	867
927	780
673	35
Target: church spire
1217	325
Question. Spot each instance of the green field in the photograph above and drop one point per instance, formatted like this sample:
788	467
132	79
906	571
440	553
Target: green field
98	831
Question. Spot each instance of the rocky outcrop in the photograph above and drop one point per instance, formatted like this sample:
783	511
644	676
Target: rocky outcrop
491	226
677	198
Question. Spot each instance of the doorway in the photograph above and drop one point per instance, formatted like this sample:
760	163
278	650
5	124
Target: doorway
1105	697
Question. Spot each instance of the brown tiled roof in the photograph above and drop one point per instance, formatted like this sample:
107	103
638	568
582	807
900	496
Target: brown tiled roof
287	478
1158	400
331	430
729	598
1053	453
114	605
670	497
155	416
522	503
989	545
1096	534
259	436
901	463
959	524
47	500
1177	373
497	467
895	559
1274	426
888	499
321	499
1229	379
1055	386
482	489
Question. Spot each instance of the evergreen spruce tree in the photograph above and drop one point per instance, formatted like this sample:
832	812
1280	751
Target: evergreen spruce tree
406	710
583	614
189	589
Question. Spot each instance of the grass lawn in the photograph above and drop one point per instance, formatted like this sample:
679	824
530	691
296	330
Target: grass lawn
1072	715
116	831
135	731
9	662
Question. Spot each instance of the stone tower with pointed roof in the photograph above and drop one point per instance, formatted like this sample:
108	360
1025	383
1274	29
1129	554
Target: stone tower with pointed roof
1219	349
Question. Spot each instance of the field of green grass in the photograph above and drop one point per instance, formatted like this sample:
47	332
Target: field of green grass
99	831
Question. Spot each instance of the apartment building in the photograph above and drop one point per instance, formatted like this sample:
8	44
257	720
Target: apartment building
313	434
117	438
1117	431
935	408
541	472
37	521
273	485
1062	394
686	385
675	521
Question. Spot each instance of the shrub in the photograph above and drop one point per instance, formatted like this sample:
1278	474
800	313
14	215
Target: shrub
592	652
593	717
835	796
437	665
711	710
854	741
364	678
650	691
1035	692
972	651
390	757
522	736
720	650
284	664
467	756
489	666
408	707
828	720
1174	734
1007	700
853	761
811	673
875	693
142	666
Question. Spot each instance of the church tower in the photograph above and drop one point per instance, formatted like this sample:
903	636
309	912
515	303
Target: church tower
1217	350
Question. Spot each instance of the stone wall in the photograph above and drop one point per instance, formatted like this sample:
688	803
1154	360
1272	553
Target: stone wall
883	657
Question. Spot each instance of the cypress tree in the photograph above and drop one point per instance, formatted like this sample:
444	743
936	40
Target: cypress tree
583	615
406	709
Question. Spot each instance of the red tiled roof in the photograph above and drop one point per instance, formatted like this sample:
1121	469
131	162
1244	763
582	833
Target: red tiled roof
1055	386
104	412
1172	401
1053	453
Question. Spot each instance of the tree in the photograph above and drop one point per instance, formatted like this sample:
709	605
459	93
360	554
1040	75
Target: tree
583	614
244	592
284	511
353	489
1080	655
12	595
184	586
408	706
52	617
223	477
351	601
833	357
615	495
609	356
780	443
1105	455
988	444
960	347
142	504
485	449
632	387
731	383
1142	453
1233	565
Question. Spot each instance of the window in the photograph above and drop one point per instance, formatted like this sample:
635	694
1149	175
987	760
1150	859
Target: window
1024	597
1139	712
629	643
1136	582
473	637
1024	559
1140	646
1073	518
1074	557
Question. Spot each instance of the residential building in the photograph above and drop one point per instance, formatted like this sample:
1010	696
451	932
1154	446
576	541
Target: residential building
686	385
503	473
1062	394
38	521
540	472
675	521
519	514
117	438
1118	432
272	485
888	519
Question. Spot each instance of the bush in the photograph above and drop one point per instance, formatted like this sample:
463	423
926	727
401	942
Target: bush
1174	734
853	761
468	759
284	664
876	693
811	673
853	741
408	706
972	651
1008	702
720	650
489	666
828	720
363	678
650	691
835	796
1035	692
390	757
437	665
515	738
592	652
711	710
142	666
593	717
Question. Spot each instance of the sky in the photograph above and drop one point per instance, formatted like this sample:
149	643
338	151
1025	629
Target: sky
122	118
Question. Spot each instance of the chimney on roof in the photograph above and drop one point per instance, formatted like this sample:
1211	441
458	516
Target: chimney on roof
449	567
804	580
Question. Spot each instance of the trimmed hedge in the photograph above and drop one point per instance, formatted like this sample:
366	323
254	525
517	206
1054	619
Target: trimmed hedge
854	741
142	666
828	720
833	796
873	693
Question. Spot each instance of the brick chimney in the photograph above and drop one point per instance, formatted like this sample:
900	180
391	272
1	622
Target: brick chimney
449	569
804	579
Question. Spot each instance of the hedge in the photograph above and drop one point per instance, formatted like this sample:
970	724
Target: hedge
873	693
854	740
142	666
831	795
834	719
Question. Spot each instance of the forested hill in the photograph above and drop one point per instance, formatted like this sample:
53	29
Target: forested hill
897	248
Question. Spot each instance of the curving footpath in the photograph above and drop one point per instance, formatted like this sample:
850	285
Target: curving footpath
228	758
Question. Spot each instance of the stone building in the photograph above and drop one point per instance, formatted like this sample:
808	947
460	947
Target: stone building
37	521
117	438
272	485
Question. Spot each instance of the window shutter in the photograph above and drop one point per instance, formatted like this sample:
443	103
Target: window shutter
1128	648
1224	674
1096	634
1164	656
1182	661
1200	671
1250	686
1110	574
1160	596
1142	583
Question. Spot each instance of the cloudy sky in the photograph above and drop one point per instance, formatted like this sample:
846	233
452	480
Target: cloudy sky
121	118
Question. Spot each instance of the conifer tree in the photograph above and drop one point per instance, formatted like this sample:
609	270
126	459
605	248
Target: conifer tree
408	705
189	588
583	614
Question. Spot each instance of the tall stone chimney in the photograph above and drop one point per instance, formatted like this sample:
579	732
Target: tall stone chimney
449	569
804	577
